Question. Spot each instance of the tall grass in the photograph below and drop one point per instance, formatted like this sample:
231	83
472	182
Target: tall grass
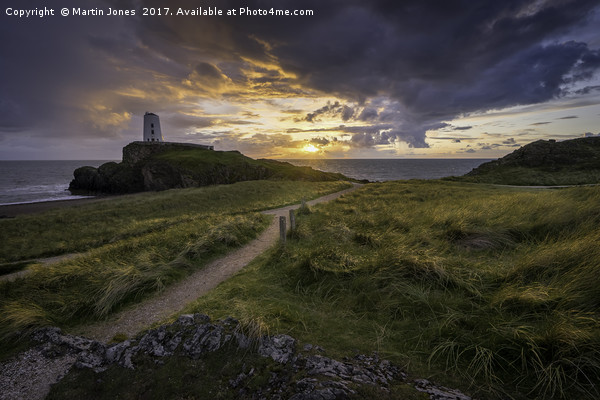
136	246
494	288
83	227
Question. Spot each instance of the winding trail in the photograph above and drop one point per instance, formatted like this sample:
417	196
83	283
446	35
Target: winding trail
30	374
43	261
174	298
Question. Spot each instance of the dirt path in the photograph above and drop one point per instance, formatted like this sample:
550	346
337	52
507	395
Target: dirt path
176	297
44	261
30	374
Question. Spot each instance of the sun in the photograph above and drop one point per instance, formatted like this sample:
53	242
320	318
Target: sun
309	148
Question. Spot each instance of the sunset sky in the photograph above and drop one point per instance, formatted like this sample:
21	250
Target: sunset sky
357	79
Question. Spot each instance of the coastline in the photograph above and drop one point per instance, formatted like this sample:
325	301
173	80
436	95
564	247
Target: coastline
13	210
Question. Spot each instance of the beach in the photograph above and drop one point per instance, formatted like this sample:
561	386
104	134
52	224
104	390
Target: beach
13	210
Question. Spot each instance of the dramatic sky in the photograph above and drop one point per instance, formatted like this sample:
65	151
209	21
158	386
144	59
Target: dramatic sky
368	79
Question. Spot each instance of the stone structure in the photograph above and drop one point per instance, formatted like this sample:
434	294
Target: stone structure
152	132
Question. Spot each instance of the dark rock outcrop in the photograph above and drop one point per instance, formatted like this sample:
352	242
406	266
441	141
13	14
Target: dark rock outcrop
161	166
109	178
298	374
550	154
544	162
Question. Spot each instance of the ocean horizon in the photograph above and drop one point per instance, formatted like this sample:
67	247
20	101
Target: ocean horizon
392	169
23	182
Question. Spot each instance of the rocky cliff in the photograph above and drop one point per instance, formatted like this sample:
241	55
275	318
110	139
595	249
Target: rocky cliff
544	162
161	166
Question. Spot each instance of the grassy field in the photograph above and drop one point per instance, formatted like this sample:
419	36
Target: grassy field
208	162
88	226
495	290
523	176
133	245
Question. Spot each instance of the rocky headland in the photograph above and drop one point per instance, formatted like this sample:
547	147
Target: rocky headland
161	166
544	162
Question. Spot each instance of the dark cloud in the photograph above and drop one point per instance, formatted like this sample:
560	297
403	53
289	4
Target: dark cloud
368	114
452	139
588	90
569	117
398	68
541	123
249	114
180	121
347	113
293	111
473	56
331	110
207	75
320	140
435	60
258	145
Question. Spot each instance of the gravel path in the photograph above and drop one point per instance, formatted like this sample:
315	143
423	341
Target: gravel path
30	374
176	297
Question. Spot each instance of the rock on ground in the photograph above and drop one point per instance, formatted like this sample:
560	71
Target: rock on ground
31	374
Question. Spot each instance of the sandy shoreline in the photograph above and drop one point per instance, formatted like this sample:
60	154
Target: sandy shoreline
14	210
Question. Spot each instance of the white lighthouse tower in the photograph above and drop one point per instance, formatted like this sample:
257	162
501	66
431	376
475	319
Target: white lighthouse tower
152	132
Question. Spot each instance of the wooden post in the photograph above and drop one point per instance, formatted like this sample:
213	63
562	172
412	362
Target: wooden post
282	229
303	204
292	220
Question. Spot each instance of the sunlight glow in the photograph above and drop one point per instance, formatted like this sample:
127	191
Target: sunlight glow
309	148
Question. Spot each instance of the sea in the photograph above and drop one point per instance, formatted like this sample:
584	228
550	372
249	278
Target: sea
36	181
394	169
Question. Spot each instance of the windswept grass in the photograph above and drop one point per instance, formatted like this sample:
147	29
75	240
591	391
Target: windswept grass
134	246
84	227
493	288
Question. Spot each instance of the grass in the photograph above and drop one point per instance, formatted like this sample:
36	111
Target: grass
543	163
490	289
523	176
84	227
232	166
133	246
493	289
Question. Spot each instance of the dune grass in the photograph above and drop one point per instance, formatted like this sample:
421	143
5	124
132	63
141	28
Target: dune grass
496	290
84	227
522	176
207	163
132	246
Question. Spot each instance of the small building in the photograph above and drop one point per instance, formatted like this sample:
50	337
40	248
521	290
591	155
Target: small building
152	132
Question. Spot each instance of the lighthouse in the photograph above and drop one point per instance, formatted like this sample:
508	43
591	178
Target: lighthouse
152	132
